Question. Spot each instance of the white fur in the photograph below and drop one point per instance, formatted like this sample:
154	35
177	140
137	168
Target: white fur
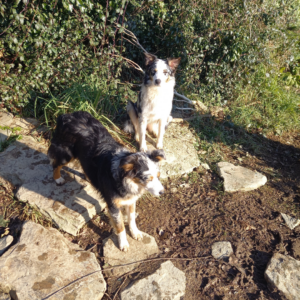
154	186
60	180
135	233
122	240
156	105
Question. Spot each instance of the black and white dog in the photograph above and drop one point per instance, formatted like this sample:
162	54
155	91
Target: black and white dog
154	105
118	174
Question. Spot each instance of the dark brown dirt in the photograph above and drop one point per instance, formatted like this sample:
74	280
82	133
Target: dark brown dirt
195	212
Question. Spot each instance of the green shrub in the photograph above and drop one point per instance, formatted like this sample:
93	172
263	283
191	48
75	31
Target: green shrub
49	48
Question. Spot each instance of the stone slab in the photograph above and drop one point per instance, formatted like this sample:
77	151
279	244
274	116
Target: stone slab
290	221
283	273
26	124
180	151
167	282
43	262
26	165
6	118
5	242
138	250
221	250
238	178
4	296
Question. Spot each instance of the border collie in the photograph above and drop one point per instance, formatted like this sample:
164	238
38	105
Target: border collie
154	105
118	174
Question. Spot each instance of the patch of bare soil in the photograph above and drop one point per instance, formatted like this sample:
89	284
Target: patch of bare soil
194	213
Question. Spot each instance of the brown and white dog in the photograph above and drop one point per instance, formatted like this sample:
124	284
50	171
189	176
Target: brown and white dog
153	108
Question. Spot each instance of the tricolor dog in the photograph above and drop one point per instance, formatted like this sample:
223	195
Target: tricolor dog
119	175
153	108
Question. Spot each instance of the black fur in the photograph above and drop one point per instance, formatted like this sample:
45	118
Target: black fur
79	135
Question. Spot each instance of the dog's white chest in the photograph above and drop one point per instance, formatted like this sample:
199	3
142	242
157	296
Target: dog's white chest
156	103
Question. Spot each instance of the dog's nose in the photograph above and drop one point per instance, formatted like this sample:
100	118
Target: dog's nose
157	81
161	192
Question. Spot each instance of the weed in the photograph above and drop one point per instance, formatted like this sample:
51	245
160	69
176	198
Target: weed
13	136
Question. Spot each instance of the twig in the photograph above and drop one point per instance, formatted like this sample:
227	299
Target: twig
180	120
179	100
119	288
118	266
134	65
107	296
184	97
183	108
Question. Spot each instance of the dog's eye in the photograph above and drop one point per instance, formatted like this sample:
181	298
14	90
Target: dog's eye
165	72
153	73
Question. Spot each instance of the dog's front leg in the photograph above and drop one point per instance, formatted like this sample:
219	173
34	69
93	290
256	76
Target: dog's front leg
142	134
161	131
135	233
118	224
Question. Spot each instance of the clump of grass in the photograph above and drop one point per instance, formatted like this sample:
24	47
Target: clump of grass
265	104
103	101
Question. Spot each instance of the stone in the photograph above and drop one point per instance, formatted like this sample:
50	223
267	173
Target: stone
26	125
221	250
179	149
5	242
290	221
238	178
6	118
4	296
283	273
205	166
45	263
25	164
296	248
138	250
4	134
167	282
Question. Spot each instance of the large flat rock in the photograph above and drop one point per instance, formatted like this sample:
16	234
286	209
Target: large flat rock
283	272
26	165
43	262
238	178
180	151
138	250
167	282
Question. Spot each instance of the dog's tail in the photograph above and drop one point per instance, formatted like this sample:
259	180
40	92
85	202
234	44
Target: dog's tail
132	122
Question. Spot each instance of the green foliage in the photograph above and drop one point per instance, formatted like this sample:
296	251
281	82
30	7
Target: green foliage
97	97
13	136
264	104
52	51
45	46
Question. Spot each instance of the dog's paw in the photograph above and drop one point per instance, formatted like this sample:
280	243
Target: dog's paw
136	234
60	181
143	148
159	146
124	245
122	240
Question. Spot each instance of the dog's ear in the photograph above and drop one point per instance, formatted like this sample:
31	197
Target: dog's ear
173	63
157	155
128	164
149	59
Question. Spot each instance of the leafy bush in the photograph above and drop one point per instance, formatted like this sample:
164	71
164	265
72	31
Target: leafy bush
48	49
46	46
